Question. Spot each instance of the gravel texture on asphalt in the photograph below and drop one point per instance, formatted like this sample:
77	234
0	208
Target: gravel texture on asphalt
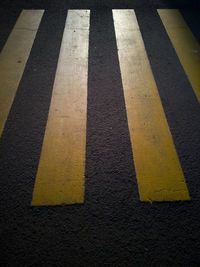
112	227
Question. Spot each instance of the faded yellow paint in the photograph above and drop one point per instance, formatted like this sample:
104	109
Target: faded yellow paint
13	59
61	172
159	174
185	44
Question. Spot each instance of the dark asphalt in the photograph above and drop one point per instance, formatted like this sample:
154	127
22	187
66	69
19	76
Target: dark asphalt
112	228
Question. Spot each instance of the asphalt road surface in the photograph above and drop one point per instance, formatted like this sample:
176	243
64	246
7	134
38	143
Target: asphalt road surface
112	227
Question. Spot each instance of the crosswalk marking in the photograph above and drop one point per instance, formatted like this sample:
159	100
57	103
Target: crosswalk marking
158	170
13	59
60	178
61	172
185	44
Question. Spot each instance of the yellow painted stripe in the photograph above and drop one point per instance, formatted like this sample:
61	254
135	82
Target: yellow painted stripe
185	44
159	174
61	172
13	59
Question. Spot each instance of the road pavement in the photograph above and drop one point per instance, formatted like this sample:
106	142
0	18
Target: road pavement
112	227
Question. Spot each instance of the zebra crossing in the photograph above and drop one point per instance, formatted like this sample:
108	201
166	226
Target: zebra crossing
61	171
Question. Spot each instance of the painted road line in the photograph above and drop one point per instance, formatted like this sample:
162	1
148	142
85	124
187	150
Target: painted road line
159	174
185	44
61	172
13	58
